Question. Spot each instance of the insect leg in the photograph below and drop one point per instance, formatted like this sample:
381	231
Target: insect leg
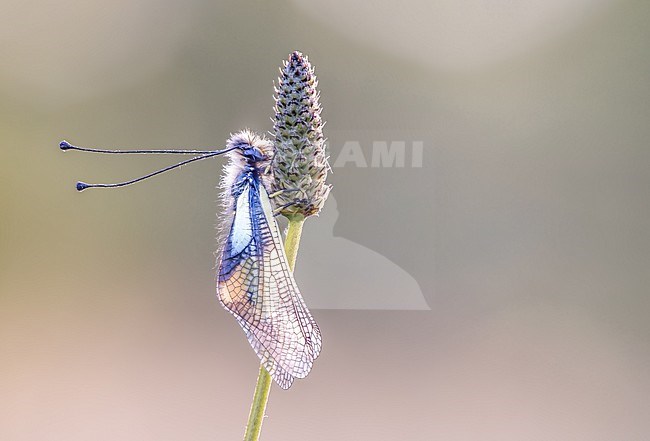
282	207
284	190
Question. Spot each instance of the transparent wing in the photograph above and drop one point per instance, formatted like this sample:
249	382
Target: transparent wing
256	286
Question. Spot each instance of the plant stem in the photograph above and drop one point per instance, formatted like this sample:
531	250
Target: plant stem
263	386
292	241
261	396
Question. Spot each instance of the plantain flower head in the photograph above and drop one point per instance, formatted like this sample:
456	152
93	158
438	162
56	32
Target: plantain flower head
300	164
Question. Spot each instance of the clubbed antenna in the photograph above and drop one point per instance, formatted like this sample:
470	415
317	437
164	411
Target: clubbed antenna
300	163
200	155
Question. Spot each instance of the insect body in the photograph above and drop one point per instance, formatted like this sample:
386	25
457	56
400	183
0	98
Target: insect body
254	282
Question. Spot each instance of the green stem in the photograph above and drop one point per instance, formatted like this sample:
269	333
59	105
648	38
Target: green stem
263	387
292	241
261	396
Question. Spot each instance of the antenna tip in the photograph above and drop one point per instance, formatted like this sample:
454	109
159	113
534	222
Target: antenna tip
65	145
82	186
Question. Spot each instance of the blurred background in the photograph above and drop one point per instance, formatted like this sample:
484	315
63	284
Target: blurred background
522	237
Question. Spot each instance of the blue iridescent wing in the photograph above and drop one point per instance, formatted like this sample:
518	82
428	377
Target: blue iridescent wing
255	285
